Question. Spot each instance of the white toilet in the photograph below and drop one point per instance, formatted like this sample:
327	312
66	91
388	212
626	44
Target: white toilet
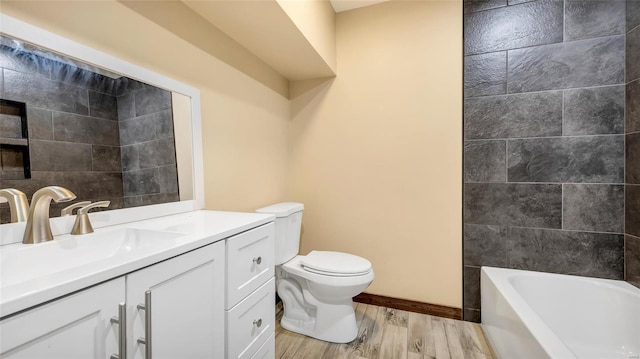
317	289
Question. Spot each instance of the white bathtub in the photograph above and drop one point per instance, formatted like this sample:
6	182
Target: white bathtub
541	315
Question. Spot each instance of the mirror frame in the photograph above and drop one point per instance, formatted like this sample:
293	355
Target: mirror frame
13	232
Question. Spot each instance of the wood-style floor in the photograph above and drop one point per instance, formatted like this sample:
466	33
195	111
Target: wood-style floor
391	334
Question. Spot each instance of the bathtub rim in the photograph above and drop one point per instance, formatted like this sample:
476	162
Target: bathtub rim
502	279
549	341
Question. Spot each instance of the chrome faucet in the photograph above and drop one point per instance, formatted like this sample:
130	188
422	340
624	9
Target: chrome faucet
82	224
18	204
38	227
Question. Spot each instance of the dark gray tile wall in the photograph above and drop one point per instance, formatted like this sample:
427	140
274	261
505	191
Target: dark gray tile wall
485	245
40	123
588	19
633	54
11	161
73	134
590	159
582	63
568	252
632	259
485	74
633	158
594	111
633	14
485	161
534	23
508	116
632	106
95	135
83	129
513	204
593	207
148	146
632	143
632	210
544	129
478	5
43	93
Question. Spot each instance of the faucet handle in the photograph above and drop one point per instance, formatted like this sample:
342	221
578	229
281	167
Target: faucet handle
18	204
100	204
68	211
83	224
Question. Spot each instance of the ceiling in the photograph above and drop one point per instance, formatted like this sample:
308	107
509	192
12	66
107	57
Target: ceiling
266	29
344	5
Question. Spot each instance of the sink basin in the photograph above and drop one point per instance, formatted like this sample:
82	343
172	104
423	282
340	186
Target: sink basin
23	262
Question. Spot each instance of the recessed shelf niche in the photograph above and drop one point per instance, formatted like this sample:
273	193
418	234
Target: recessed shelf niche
14	141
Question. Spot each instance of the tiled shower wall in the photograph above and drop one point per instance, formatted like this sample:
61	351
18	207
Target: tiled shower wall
103	138
544	130
148	146
72	125
632	130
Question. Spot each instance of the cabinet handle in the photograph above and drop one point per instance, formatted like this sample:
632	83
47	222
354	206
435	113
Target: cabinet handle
146	341
257	323
257	260
121	320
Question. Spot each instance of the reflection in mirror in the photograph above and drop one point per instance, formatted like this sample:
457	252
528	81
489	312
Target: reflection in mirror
101	135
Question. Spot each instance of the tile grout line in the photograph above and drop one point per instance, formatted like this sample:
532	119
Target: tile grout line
506	161
564	21
562	207
546	137
562	131
557	183
547	44
506	72
562	115
547	90
545	229
624	200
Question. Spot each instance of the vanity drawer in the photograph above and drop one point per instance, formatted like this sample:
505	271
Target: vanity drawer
267	350
251	323
250	262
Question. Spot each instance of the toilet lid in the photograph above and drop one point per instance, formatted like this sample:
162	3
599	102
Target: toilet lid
335	263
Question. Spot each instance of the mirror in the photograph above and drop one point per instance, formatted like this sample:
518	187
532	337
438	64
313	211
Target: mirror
101	134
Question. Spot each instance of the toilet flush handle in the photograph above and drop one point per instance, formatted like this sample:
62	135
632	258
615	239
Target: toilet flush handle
257	260
257	323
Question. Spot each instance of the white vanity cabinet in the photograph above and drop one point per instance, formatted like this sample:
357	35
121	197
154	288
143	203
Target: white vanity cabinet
182	300
184	297
76	326
213	300
250	294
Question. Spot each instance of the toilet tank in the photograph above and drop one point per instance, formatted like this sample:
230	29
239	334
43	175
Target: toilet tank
288	223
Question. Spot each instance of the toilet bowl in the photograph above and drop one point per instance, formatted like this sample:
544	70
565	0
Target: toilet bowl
317	290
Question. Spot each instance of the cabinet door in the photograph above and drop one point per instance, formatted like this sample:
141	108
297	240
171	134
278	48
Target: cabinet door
76	326
186	297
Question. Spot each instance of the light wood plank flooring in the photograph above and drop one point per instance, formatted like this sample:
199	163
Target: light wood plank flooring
386	333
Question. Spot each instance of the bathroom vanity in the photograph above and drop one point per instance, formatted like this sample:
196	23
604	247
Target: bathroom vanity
191	285
159	277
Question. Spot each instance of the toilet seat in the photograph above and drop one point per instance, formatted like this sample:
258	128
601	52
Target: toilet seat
294	267
335	264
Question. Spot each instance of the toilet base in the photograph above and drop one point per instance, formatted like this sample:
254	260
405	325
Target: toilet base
335	323
319	306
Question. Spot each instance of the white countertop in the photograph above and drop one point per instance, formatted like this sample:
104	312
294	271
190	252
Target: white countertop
43	282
